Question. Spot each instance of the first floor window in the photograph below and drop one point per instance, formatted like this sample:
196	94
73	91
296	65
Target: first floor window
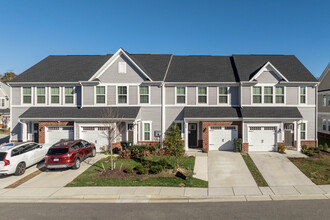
122	94
100	94
279	94
256	94
55	95
268	94
202	95
303	94
223	95
303	131
324	100
69	95
181	95
41	95
144	94
146	131
324	124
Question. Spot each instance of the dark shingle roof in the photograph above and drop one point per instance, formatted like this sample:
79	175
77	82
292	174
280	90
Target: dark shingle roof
325	80
86	112
72	68
212	112
271	112
201	69
248	65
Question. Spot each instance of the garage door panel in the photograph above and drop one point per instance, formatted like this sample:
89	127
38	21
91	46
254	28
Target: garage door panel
55	134
262	138
221	138
95	135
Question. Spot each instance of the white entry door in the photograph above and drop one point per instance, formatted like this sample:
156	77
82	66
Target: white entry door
221	137
262	138
95	135
55	134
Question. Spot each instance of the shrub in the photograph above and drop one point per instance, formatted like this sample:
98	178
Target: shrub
126	154
281	148
310	152
321	147
326	147
304	147
141	169
165	164
147	164
128	170
156	169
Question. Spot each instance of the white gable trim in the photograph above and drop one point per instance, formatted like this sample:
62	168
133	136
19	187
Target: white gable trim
264	68
112	60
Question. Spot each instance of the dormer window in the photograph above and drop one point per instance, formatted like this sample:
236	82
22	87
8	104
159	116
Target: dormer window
122	67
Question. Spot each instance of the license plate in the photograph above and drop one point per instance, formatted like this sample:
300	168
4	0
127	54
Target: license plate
56	159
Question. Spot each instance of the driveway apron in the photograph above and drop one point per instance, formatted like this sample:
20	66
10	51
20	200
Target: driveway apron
228	169
278	170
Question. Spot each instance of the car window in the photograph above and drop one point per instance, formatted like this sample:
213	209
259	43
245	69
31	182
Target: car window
33	146
57	151
18	151
81	145
75	147
85	143
2	156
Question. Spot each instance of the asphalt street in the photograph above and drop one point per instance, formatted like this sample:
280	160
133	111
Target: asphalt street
311	209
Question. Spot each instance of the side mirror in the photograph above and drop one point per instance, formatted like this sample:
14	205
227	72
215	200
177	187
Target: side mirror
40	146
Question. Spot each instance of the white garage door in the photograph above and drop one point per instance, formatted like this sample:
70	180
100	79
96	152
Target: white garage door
95	135
262	138
54	134
221	137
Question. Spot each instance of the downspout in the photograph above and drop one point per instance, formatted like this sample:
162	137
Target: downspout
82	95
316	115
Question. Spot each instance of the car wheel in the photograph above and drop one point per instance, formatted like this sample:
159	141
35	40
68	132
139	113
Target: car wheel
20	169
76	164
93	152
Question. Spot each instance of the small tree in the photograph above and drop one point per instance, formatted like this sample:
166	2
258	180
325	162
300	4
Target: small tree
8	76
173	143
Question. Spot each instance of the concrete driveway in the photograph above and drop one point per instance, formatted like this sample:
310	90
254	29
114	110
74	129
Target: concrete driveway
279	170
228	169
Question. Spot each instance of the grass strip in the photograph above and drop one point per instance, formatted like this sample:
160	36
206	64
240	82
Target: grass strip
254	170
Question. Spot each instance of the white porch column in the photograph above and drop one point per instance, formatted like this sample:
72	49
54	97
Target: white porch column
295	128
186	135
24	131
135	132
298	136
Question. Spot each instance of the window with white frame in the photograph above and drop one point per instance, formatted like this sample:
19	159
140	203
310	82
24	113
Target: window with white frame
122	94
144	94
303	94
41	95
223	95
328	100
147	131
303	131
55	95
279	97
2	102
268	94
27	98
100	94
181	95
179	124
256	94
69	99
122	67
202	95
324	124
324	100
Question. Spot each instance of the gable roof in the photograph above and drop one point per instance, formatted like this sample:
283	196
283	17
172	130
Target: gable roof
201	69
288	65
325	79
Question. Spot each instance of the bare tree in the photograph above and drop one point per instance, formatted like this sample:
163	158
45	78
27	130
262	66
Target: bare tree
113	129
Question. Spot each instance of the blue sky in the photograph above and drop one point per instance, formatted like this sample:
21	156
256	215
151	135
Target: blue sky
30	30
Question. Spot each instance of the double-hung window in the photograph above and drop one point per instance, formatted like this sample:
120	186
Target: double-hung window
303	131
324	100
328	100
122	94
202	95
324	124
147	131
2	102
180	95
27	98
279	94
100	94
55	95
41	95
256	94
303	94
268	94
144	94
69	95
223	95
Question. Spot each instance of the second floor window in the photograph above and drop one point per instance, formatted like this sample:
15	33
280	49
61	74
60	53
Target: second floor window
181	95
324	100
324	124
303	94
223	95
303	131
328	100
279	94
68	95
122	94
27	99
202	95
41	95
55	95
268	94
144	94
256	94
100	94
122	67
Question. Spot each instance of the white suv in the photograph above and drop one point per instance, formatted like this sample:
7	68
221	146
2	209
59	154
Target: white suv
16	157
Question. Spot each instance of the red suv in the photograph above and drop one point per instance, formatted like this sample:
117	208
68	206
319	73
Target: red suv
67	153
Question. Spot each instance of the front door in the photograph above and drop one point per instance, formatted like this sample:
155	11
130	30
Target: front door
130	128
36	132
192	134
288	135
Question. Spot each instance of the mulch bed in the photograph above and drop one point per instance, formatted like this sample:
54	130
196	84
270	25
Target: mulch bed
119	173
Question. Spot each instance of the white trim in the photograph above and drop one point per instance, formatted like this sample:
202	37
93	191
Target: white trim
22	96
263	85
127	95
207	96
149	95
185	95
74	96
36	95
50	96
300	94
324	101
151	135
264	68
228	96
122	65
105	95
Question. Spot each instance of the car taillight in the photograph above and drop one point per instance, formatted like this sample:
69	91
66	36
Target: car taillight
69	154
7	162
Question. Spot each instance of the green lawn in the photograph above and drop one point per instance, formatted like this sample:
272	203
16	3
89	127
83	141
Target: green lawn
91	176
254	170
316	168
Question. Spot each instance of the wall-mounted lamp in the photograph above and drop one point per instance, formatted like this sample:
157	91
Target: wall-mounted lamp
204	129
279	130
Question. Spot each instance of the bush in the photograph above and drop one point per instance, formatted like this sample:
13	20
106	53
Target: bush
156	169
281	148
147	164
321	147
326	147
304	147
126	154
129	170
310	152
141	169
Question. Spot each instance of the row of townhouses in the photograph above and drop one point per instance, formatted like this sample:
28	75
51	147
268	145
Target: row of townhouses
266	100
324	104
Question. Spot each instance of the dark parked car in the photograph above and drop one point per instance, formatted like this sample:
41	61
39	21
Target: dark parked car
69	153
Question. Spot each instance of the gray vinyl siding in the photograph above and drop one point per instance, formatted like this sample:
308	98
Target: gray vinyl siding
234	95
152	114
268	77
191	95
311	95
291	95
213	95
170	95
246	95
172	114
16	133
88	95
133	95
309	116
155	95
320	123
322	108
132	75
111	93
